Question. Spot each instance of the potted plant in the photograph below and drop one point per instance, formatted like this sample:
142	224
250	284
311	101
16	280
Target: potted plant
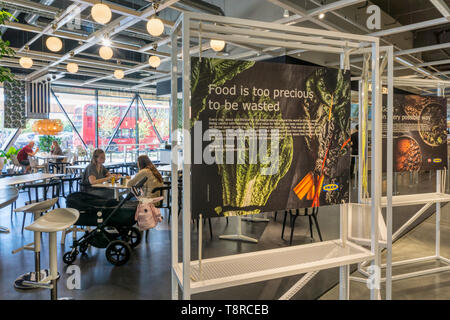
45	142
6	156
5	50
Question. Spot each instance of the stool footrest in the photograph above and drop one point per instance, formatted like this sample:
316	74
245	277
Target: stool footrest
41	284
29	247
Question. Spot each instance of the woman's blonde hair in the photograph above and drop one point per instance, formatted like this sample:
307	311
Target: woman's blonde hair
144	162
95	156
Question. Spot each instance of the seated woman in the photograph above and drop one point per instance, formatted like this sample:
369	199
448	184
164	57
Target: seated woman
55	150
96	173
154	178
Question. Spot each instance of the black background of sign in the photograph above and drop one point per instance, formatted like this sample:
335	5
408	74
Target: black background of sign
429	153
271	76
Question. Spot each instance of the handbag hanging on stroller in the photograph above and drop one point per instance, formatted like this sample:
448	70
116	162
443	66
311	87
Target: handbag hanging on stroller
102	213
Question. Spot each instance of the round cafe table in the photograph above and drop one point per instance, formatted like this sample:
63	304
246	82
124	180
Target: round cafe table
7	196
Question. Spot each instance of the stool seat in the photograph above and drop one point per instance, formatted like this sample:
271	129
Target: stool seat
56	220
38	206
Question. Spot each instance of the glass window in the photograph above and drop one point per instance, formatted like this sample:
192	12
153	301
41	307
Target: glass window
79	104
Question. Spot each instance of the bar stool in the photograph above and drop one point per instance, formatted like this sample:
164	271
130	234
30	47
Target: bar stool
54	221
37	209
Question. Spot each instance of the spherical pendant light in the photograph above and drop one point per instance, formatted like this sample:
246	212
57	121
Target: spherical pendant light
54	44
119	74
72	67
105	52
26	62
154	61
217	45
155	27
101	13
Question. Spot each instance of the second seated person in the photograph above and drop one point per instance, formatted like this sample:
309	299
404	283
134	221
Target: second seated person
154	178
96	173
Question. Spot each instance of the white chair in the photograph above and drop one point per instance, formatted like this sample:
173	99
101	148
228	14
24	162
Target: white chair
17	166
54	221
35	166
37	209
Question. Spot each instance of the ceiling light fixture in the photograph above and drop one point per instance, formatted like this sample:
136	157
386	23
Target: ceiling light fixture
101	13
119	74
155	26
26	62
286	13
54	44
105	52
217	45
72	67
321	15
154	61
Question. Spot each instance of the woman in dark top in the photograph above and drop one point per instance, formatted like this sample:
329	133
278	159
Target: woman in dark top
56	150
96	173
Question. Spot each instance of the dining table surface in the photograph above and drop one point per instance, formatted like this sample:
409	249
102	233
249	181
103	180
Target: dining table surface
48	156
8	195
27	178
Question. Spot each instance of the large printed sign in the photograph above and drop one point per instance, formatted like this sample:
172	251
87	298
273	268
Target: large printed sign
267	136
419	132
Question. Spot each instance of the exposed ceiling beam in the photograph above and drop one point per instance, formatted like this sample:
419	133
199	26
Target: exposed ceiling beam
409	27
26	5
68	15
422	49
427	64
333	6
79	83
111	29
323	9
124	11
292	7
442	7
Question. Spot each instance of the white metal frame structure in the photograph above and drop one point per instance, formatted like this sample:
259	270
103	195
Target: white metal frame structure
389	201
222	272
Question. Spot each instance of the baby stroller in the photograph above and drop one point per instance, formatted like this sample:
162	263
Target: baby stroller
114	223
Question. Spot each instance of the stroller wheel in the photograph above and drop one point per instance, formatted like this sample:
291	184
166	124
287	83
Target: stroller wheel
133	236
118	252
69	257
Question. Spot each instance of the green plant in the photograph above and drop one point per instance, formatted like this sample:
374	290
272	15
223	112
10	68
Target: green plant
5	50
7	155
45	142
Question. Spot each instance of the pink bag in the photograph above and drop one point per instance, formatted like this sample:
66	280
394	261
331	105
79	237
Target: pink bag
147	215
